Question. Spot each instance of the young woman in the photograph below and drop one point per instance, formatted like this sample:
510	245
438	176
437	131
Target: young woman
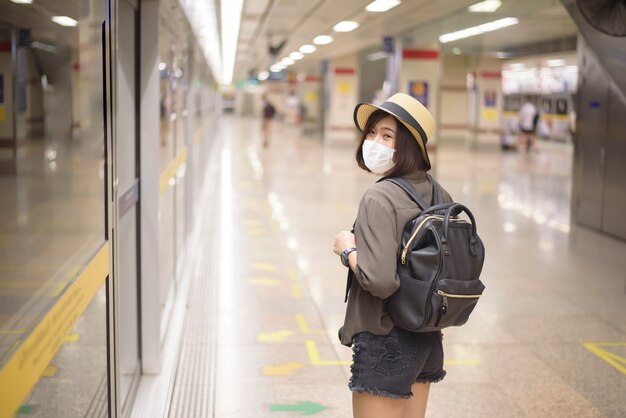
392	368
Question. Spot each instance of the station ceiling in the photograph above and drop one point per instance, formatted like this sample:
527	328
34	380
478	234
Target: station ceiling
266	23
293	23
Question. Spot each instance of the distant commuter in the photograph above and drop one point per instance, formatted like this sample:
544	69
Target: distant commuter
268	114
528	118
392	368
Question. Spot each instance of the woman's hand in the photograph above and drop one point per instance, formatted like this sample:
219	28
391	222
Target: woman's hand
343	240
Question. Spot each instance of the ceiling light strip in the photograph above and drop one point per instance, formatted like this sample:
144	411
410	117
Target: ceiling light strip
231	19
346	26
307	49
380	6
487	6
478	30
323	40
65	21
203	18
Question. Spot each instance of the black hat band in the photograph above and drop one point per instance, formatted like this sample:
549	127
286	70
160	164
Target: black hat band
405	116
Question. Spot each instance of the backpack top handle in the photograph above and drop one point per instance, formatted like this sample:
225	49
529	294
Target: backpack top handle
457	208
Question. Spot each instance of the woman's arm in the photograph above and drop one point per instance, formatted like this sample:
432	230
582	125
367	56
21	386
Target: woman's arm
344	240
377	244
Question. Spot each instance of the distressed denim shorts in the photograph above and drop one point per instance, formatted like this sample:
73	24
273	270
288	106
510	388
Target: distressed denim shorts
388	365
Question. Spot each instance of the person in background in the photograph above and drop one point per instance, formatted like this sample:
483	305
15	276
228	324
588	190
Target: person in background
293	108
268	114
528	118
392	368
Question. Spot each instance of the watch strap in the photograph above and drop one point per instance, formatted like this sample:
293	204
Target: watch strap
345	256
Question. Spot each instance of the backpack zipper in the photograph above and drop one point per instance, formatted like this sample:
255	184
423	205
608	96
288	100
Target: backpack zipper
408	244
445	296
444	306
405	250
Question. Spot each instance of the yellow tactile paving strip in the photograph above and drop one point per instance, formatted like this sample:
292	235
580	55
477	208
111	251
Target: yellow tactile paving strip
171	170
31	358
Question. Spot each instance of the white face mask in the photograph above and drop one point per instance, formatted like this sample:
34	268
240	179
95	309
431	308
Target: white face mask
377	157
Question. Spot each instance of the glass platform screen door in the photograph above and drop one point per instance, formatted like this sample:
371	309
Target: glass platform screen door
126	169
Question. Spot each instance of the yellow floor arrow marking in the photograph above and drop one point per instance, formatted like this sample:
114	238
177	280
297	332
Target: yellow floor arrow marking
273	337
264	266
461	362
286	369
263	281
613	359
314	356
254	222
292	274
72	338
296	291
304	327
50	371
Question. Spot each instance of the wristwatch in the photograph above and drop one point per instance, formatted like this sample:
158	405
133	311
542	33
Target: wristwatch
344	256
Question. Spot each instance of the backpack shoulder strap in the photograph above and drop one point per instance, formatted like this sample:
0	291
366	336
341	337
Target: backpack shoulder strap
410	190
436	190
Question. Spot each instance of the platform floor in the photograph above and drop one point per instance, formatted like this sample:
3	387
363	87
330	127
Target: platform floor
548	338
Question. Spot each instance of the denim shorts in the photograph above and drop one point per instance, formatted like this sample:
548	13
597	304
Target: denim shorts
388	365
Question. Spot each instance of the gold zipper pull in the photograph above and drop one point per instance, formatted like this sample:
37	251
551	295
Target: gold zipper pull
404	255
445	298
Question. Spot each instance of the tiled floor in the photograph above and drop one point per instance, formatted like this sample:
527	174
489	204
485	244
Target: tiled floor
551	287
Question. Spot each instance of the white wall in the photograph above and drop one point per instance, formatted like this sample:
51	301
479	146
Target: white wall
343	81
33	117
488	81
310	96
454	117
471	98
422	65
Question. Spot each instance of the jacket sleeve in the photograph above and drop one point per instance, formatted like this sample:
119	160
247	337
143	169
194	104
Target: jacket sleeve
377	247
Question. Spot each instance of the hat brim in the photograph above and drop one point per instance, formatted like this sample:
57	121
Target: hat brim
363	111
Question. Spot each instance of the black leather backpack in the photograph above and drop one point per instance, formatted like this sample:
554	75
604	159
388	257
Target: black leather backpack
439	266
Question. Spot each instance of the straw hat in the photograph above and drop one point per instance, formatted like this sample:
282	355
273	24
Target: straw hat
407	110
